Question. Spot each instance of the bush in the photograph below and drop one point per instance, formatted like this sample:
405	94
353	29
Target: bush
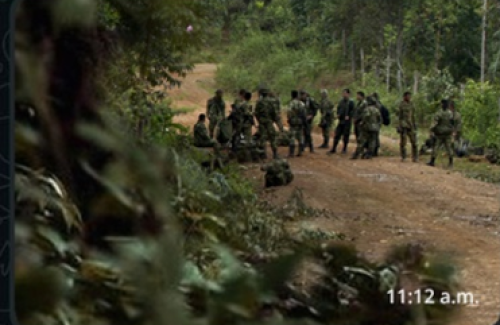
480	113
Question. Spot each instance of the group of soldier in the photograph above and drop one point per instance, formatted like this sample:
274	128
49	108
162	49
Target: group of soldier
366	117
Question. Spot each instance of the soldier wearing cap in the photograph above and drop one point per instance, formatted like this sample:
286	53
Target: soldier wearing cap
265	116
311	108
216	111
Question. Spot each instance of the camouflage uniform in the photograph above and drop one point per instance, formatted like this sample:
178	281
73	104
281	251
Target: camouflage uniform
246	111
378	104
264	113
442	130
327	116
216	112
358	114
296	118
407	129
201	137
369	125
277	110
345	108
311	108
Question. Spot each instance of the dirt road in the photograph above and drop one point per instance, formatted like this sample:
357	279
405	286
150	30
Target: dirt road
384	201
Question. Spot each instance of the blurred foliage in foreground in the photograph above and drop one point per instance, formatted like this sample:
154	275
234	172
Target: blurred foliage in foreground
118	221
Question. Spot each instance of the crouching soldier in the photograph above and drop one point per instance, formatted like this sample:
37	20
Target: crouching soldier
201	137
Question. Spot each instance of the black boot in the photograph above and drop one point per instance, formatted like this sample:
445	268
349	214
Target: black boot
450	162
325	143
291	151
344	150
311	147
375	152
403	154
301	150
431	162
275	154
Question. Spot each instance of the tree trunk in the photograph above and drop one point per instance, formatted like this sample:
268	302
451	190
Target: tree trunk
388	72
362	57
344	44
415	82
483	41
353	60
437	54
399	80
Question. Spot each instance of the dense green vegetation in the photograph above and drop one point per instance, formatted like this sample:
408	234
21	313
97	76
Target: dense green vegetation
430	48
118	220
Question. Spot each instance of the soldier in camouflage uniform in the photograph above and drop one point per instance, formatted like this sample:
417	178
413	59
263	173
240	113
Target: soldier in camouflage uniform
345	110
326	108
296	119
201	136
247	113
369	125
407	127
240	99
277	110
237	117
379	106
311	110
216	111
442	129
457	123
265	115
358	112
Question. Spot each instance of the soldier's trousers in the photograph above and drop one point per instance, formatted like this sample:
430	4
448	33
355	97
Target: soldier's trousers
267	133
326	133
296	133
247	132
366	140
209	144
407	133
211	126
444	140
308	134
343	130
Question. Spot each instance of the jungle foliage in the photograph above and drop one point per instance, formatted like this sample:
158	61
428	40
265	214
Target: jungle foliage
117	220
432	49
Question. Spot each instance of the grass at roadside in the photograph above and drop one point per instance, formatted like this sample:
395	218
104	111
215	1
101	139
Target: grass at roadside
482	170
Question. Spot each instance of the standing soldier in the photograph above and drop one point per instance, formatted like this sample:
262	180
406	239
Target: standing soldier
386	120
240	99
369	126
358	112
311	108
442	129
277	110
345	110
457	123
247	113
265	115
216	111
237	118
407	127
296	116
326	108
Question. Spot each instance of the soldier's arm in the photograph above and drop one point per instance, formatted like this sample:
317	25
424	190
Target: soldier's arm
412	116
